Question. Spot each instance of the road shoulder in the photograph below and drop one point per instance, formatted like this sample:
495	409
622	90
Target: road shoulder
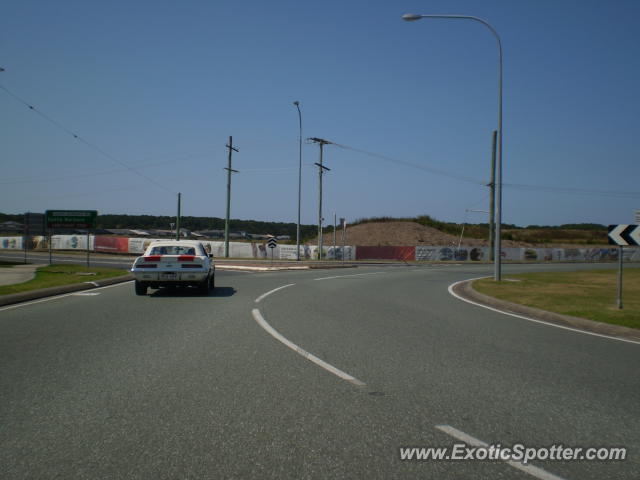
466	291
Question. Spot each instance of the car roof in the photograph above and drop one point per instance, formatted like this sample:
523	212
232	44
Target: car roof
190	243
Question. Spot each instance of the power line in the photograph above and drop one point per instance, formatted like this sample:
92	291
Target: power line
434	171
92	193
543	188
88	174
574	191
82	140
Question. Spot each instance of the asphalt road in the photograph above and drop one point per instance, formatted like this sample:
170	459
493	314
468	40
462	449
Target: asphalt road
106	384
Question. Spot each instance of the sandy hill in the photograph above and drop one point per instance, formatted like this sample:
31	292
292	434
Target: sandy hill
403	234
406	234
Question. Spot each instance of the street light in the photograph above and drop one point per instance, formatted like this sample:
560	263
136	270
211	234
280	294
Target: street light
497	258
297	104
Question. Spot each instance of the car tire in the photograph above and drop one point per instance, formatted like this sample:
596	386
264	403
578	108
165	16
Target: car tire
141	288
205	286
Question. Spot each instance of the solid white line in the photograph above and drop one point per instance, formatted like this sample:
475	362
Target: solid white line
354	275
56	297
321	363
469	440
586	332
261	297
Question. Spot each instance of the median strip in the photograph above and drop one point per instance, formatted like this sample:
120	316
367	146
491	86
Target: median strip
463	291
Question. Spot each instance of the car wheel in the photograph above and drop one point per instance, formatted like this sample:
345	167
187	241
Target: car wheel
141	288
205	286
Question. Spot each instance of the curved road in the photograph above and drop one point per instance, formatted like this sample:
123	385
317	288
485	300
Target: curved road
105	384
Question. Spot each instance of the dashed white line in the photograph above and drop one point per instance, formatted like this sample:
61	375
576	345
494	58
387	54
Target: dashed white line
261	297
469	440
321	363
586	332
354	275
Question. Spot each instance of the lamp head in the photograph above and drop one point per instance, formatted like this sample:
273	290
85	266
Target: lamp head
411	17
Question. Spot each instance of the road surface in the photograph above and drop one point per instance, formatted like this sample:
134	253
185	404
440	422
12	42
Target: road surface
106	384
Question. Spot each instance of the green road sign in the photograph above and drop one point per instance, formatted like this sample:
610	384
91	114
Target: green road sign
71	218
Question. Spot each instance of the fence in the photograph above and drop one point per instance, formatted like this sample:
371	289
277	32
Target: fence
109	244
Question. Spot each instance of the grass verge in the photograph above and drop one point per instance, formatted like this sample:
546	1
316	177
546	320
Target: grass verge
56	275
590	294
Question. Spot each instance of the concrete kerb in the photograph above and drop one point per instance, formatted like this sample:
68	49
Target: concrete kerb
465	290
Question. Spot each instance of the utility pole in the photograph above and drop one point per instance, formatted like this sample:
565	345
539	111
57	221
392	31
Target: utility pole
229	172
297	104
178	219
335	220
492	198
321	169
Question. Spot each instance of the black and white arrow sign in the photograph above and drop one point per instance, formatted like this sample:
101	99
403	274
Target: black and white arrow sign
272	242
624	235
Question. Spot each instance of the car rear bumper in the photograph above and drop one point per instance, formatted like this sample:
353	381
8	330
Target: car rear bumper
177	278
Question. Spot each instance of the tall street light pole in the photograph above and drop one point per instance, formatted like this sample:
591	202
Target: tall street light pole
492	197
498	237
297	104
321	169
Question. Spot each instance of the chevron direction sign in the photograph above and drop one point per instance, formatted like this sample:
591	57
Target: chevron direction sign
624	235
272	242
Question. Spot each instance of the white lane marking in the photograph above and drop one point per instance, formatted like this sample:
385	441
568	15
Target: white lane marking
354	275
469	440
261	297
85	294
321	363
586	332
56	297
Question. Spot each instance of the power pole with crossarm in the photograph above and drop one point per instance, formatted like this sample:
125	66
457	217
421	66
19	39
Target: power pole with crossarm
229	172
321	169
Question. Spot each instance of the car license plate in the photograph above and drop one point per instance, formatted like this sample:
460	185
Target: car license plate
169	276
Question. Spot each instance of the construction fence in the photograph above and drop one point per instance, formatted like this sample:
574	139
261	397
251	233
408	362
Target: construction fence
256	250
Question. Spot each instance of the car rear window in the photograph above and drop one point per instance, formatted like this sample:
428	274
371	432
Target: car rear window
172	250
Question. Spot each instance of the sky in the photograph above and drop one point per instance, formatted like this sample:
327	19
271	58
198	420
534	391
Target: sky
134	101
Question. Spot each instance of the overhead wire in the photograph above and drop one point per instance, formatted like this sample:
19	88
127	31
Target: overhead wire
82	140
575	191
432	170
550	189
88	174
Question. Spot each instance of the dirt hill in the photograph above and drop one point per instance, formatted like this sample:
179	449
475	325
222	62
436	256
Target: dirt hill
407	234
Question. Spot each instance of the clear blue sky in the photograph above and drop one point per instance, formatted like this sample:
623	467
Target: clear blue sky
160	85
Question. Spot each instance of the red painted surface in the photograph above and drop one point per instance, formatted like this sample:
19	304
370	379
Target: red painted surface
111	244
385	253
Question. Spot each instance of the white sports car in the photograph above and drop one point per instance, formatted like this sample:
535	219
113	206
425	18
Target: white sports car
174	263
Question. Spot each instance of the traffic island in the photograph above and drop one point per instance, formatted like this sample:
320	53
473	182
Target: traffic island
466	291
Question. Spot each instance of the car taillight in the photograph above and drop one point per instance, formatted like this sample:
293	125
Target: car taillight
190	265
186	258
153	258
